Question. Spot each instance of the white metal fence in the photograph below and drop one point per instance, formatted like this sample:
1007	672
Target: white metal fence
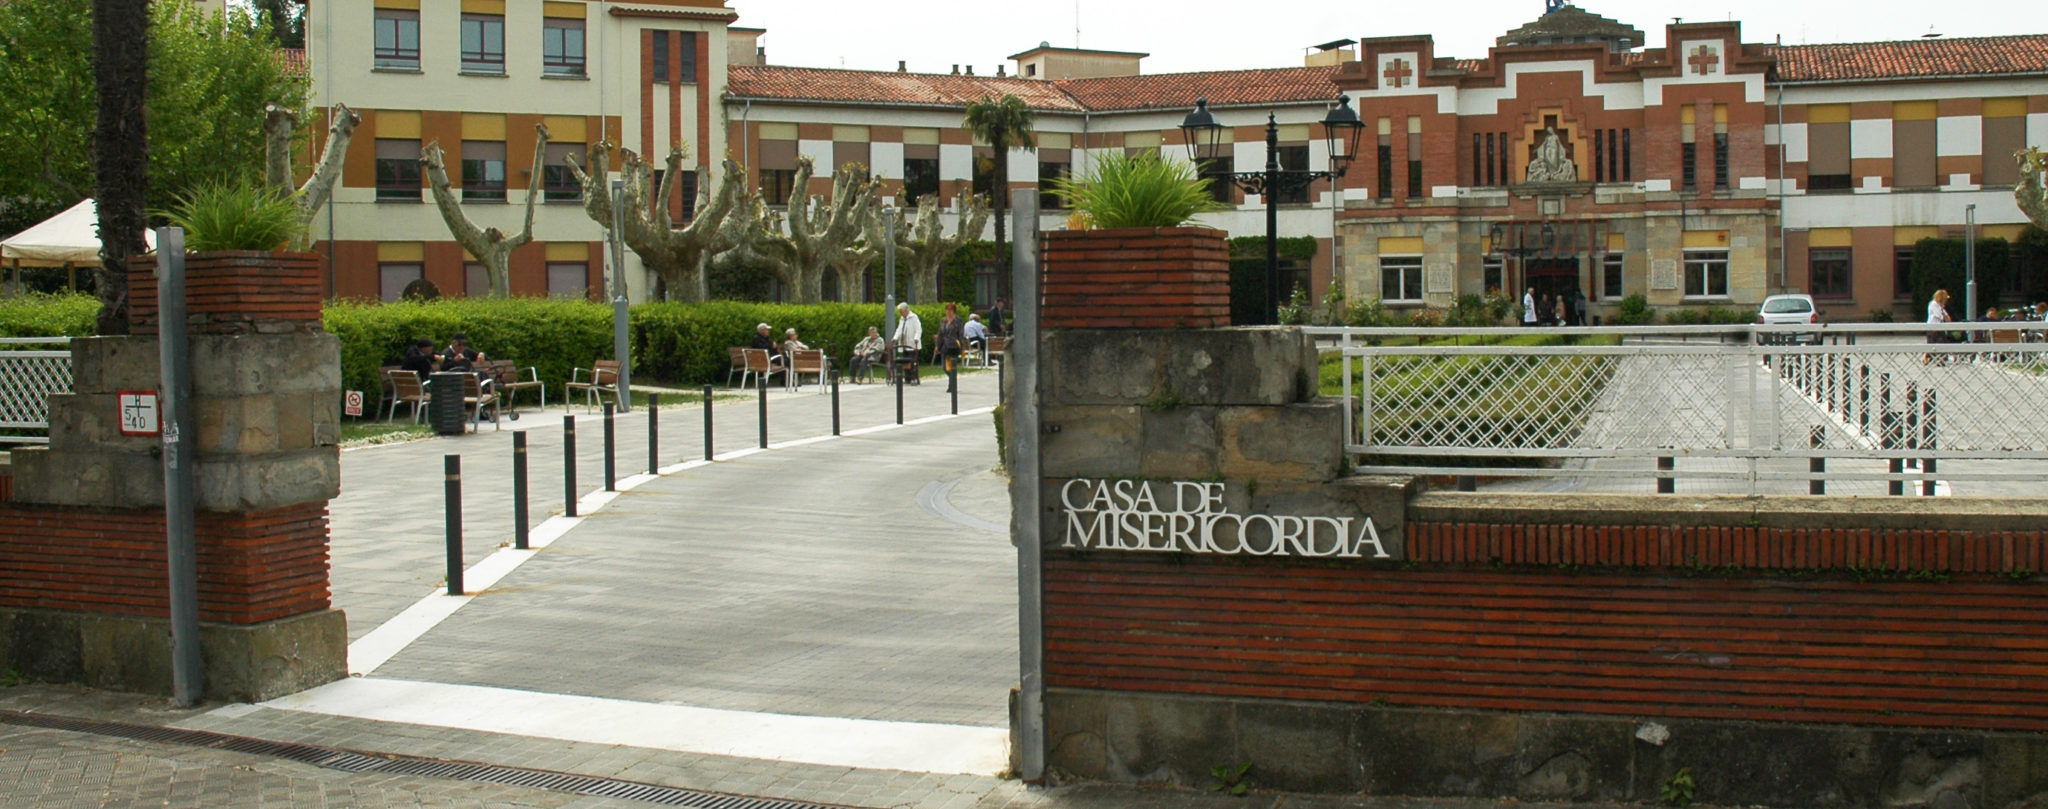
31	368
1857	409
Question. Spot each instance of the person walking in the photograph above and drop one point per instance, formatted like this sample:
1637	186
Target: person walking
1528	306
908	340
996	324
951	342
1937	312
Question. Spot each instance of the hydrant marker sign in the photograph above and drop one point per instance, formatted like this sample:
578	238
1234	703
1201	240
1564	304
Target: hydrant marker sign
1190	517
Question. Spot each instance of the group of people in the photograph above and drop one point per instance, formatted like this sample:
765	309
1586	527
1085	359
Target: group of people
1567	309
1937	312
422	359
955	338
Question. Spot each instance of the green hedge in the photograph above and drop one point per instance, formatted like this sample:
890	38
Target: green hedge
1940	264
48	315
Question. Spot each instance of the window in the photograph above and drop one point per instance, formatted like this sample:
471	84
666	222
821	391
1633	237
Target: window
1386	164
483	43
686	57
920	177
1830	272
396	33
1610	156
1047	173
1401	278
557	183
475	282
569	279
985	173
2005	132
686	187
1293	157
561	47
1902	273
1493	273
1610	275
392	280
1414	158
1217	171
777	186
398	170
1914	164
674	56
1827	147
1706	273
1479	164
1689	164
1720	160
483	171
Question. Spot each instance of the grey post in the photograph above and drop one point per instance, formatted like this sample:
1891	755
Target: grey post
1970	311
621	349
1025	484
889	278
188	666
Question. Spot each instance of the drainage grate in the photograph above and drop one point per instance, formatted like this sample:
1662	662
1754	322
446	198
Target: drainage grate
347	761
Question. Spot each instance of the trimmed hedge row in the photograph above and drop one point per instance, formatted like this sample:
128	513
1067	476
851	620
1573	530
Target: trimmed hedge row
48	315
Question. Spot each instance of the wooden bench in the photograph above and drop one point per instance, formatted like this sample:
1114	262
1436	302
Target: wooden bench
600	378
510	379
806	361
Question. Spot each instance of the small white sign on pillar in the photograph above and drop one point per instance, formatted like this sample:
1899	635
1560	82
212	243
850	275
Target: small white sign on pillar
139	413
352	403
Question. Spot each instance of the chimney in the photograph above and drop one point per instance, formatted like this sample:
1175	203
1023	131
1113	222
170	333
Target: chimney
902	66
999	71
956	70
970	70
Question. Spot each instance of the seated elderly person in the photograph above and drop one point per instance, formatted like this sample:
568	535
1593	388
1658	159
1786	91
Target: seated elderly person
763	341
867	354
976	333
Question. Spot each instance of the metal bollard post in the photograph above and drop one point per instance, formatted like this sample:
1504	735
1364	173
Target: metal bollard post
1931	441
1468	483
569	465
954	392
519	527
707	422
899	398
1666	484
1815	439
451	467
653	433
1001	382
763	384
611	458
835	402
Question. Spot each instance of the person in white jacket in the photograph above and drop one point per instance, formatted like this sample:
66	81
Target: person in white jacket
908	340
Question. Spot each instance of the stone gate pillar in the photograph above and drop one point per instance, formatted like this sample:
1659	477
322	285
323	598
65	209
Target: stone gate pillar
87	599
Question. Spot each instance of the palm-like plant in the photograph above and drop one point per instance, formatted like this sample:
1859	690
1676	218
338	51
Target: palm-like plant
1002	123
1137	192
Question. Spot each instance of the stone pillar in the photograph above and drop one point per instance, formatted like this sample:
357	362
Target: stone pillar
86	521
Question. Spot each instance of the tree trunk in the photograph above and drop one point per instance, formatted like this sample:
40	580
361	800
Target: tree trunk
1000	205
120	35
491	246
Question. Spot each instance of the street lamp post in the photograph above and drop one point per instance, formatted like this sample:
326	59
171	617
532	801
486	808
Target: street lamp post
1341	129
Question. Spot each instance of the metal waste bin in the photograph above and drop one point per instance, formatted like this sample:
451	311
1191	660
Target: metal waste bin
445	411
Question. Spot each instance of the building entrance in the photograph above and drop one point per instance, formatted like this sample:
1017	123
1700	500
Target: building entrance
1549	279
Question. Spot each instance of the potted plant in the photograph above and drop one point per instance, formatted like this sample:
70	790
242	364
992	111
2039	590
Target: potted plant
238	273
1139	265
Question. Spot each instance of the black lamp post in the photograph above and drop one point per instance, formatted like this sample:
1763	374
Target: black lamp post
1341	129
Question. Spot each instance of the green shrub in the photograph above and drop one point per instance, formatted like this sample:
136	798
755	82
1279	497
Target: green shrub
1940	264
1471	311
1426	317
234	216
1248	272
1685	317
1296	311
1882	314
1120	191
1634	311
48	315
1372	314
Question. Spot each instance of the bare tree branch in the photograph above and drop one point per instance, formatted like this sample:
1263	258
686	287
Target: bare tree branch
491	247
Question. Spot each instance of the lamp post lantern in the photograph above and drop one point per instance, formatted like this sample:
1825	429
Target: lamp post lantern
1341	129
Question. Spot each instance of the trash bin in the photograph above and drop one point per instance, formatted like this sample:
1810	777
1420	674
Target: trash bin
445	411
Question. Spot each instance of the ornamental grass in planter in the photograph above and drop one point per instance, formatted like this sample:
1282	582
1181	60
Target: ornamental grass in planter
1143	268
238	278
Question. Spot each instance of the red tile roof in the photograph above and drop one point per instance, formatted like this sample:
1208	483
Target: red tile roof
1223	88
1159	91
1913	59
294	60
888	89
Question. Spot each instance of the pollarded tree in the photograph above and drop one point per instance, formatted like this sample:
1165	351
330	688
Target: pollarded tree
1002	123
815	237
924	247
2031	194
491	247
676	255
279	123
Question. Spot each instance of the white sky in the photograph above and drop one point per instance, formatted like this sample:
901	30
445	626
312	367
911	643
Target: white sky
1191	35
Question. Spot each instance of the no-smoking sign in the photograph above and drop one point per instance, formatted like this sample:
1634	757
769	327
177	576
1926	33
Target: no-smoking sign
352	403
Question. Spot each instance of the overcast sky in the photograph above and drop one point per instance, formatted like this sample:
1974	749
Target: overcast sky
933	35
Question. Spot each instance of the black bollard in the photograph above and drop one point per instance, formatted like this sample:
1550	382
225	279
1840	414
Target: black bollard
569	465
954	392
763	383
653	433
1468	483
1666	484
1817	465
1932	441
835	402
519	527
1001	382
611	458
899	398
451	467
707	422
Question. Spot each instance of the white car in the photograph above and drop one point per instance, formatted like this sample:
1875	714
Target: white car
1784	309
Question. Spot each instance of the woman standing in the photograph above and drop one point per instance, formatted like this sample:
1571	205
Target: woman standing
951	342
1937	312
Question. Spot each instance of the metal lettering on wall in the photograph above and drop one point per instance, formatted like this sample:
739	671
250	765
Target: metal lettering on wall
1190	517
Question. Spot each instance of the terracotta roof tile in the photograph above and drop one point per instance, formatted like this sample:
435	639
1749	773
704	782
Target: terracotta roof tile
1223	88
886	88
1912	59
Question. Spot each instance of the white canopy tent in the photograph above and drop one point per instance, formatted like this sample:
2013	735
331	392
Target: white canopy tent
71	238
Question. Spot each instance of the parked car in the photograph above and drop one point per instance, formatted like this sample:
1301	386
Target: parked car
1784	309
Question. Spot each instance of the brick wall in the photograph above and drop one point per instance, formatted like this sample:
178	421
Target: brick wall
253	568
236	293
1896	650
1148	278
